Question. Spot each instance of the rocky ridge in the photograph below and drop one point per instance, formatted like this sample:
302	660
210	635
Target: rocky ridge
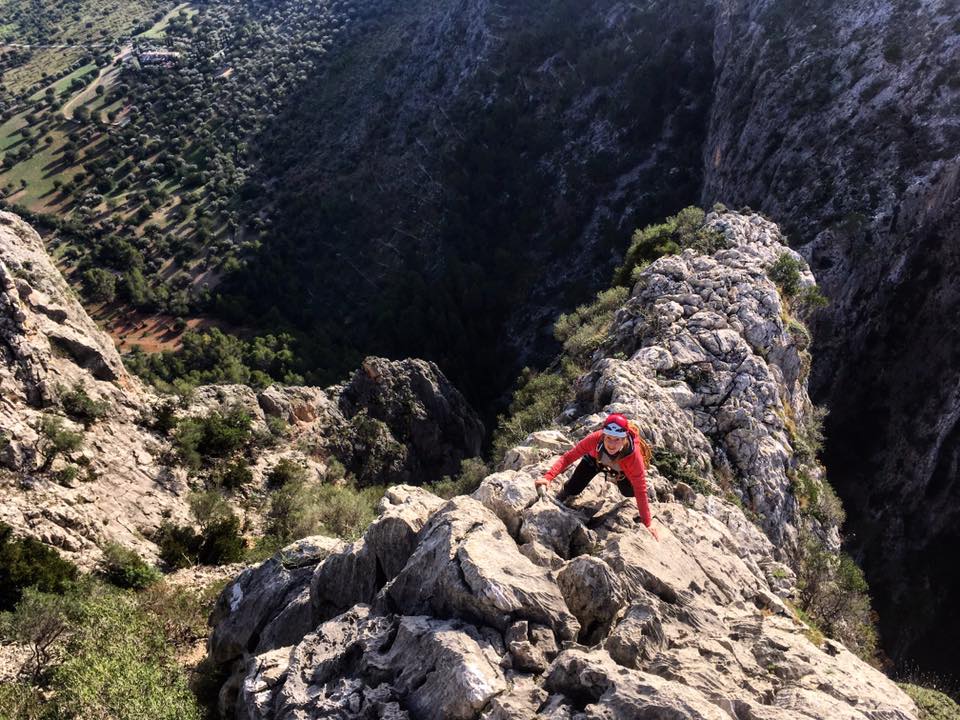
853	147
126	479
503	604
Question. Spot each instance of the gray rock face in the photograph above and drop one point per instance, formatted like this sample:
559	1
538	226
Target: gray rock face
121	490
854	150
714	372
470	628
262	609
424	413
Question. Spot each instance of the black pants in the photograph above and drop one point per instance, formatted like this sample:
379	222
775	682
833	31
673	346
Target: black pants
585	472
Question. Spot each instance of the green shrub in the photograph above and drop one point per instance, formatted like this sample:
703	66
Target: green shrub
585	329
286	471
300	509
472	472
179	545
222	543
104	653
834	593
785	272
219	543
164	416
933	704
40	621
81	407
538	399
215	435
21	701
809	300
809	436
685	230
232	475
335	471
676	468
118	664
25	562
817	498
67	475
55	439
208	507
125	569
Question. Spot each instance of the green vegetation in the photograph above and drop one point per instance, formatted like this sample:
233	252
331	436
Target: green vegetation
835	596
785	272
472	472
584	330
300	509
218	542
105	653
284	472
538	399
801	299
55	439
817	498
213	436
79	406
685	230
232	475
125	569
213	356
677	469
25	563
933	704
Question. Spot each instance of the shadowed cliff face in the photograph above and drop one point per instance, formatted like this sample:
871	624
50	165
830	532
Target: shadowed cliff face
843	124
471	168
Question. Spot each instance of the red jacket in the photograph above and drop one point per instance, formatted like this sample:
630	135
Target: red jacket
632	466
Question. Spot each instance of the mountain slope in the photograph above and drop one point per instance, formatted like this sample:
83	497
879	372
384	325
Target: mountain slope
85	459
842	122
505	605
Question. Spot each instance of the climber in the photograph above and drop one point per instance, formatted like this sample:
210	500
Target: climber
615	450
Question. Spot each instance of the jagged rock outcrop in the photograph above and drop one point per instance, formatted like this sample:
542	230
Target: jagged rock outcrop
397	421
853	148
470	628
50	346
507	605
424	413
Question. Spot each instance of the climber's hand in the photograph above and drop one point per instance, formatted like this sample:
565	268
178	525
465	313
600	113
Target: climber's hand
541	483
638	521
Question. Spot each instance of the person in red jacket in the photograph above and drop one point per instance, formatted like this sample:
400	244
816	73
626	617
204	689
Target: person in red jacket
612	449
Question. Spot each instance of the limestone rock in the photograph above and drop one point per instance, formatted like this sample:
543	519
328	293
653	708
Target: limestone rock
247	607
359	666
466	565
358	572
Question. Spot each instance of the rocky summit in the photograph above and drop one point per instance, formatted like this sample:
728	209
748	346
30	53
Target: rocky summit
83	461
505	604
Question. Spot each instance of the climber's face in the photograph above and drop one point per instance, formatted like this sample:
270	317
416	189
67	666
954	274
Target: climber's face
613	445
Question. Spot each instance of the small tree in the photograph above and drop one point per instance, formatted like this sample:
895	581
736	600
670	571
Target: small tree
81	407
125	569
40	620
55	439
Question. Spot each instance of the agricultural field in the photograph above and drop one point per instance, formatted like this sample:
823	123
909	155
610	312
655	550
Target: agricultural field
135	145
61	33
